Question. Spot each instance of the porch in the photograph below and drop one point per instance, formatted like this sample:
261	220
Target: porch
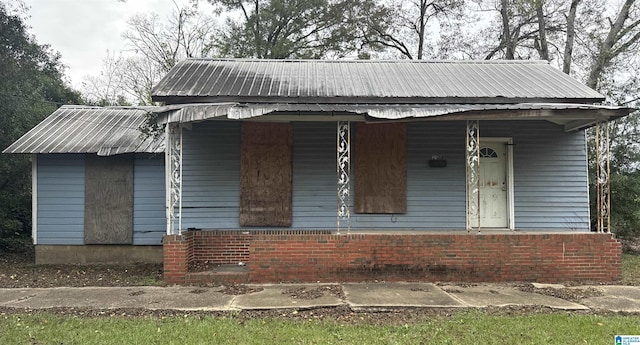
298	199
261	256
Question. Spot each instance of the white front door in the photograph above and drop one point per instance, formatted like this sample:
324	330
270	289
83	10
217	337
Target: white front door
493	189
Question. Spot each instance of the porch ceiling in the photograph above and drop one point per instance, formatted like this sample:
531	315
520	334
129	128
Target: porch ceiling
572	116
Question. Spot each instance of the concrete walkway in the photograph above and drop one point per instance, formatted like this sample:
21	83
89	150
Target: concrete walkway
363	296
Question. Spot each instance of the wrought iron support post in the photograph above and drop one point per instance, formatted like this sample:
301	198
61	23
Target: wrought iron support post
343	167
473	174
603	187
173	174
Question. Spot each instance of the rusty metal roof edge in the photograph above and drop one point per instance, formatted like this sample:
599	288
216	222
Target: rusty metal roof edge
242	111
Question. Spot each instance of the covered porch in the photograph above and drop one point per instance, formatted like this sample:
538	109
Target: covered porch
399	170
441	235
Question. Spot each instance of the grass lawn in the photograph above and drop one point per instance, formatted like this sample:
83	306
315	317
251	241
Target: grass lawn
467	327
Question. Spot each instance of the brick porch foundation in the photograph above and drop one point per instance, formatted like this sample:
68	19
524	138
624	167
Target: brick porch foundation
290	256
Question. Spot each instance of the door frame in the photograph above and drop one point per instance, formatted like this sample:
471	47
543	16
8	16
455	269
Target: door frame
508	142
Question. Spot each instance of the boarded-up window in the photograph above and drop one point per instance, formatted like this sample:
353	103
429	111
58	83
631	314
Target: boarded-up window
380	168
265	174
108	195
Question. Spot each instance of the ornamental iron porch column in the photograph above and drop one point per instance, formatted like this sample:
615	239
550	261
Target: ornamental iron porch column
603	183
473	174
173	176
343	167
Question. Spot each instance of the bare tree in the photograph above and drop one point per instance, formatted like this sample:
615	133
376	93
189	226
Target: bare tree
407	30
186	34
155	46
106	89
623	34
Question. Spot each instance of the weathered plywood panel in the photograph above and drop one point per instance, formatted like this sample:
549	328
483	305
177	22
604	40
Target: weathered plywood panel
266	174
108	200
380	168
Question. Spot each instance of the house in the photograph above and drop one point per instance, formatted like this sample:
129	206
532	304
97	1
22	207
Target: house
97	185
312	170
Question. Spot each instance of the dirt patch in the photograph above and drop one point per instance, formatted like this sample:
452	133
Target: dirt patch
19	271
315	292
569	294
459	284
419	289
449	290
239	289
340	314
136	293
630	245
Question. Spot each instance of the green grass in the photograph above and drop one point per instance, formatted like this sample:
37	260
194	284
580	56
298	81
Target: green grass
631	269
469	327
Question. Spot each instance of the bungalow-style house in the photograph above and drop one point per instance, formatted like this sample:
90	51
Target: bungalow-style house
311	170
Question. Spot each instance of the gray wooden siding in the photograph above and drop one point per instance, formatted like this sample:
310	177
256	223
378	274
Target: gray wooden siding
314	175
149	223
549	168
550	175
211	175
60	199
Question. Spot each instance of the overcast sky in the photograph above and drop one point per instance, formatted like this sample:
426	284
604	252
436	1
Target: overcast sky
83	30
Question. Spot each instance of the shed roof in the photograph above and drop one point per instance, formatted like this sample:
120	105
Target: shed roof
83	129
369	81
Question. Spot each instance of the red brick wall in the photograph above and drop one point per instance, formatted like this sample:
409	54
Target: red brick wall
219	246
436	257
176	251
275	256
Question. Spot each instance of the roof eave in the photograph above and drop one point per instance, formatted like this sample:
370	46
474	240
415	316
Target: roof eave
175	99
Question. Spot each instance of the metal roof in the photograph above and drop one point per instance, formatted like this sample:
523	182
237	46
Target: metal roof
370	81
239	111
573	116
82	129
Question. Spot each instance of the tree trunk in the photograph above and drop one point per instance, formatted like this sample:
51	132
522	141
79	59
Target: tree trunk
506	32
422	27
571	33
604	57
257	29
543	49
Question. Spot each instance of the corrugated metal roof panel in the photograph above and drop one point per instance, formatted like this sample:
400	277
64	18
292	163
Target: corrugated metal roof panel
497	81
237	111
82	129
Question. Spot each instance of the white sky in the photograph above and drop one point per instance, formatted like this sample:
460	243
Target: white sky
84	30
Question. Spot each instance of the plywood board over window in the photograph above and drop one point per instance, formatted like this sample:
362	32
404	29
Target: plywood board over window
108	195
380	168
266	175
